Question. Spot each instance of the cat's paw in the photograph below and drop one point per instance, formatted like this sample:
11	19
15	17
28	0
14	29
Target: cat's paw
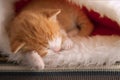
67	44
33	60
38	66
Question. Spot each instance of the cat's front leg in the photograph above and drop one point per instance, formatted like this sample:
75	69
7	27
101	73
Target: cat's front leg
67	42
84	25
74	32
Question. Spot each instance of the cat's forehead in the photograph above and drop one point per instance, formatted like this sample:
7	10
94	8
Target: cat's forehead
41	25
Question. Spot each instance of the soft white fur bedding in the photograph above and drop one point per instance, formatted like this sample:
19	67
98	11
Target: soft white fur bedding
92	51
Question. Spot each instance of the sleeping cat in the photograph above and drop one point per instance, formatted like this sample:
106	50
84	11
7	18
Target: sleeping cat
71	18
37	31
44	24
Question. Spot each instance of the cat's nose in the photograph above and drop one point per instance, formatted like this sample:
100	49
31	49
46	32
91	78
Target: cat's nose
56	49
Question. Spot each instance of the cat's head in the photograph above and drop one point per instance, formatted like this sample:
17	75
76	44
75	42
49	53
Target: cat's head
36	31
56	41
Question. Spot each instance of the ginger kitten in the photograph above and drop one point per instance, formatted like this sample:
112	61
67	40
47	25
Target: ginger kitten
44	24
31	32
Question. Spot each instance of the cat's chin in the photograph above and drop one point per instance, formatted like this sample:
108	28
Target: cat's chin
55	44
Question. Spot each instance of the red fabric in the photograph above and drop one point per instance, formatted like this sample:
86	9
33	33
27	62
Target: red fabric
19	5
103	26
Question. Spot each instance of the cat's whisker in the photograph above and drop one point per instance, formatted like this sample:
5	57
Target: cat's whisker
19	48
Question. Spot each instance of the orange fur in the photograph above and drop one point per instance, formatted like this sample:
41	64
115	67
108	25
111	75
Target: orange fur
69	18
33	27
33	30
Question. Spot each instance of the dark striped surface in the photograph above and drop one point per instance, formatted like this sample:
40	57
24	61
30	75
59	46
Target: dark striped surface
79	75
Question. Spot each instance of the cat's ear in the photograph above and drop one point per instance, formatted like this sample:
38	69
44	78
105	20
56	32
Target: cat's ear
52	14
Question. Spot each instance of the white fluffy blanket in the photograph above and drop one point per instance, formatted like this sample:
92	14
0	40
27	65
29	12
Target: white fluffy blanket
92	51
